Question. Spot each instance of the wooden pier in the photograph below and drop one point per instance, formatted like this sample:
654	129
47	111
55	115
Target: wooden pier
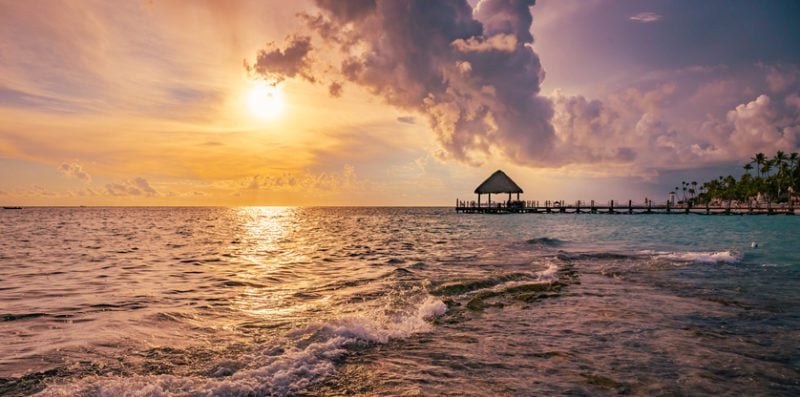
628	208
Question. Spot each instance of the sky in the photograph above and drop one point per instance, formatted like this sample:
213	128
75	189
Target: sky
381	102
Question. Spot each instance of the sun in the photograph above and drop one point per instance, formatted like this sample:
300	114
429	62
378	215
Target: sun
265	101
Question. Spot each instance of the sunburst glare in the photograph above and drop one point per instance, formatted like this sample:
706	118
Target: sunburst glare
265	101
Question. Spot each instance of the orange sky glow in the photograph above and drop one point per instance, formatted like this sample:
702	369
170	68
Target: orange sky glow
168	103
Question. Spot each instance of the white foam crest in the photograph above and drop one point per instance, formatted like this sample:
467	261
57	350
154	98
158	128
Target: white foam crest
546	276
380	328
701	257
285	373
549	274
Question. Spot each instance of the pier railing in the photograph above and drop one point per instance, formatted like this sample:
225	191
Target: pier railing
629	207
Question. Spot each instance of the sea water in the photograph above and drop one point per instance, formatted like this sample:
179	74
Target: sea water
395	301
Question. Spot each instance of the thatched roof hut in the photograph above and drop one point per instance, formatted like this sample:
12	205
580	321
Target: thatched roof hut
498	182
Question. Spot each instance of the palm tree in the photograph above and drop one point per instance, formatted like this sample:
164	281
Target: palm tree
758	160
783	178
780	158
684	184
730	187
766	167
748	167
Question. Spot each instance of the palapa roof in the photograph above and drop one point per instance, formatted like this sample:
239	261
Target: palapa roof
499	182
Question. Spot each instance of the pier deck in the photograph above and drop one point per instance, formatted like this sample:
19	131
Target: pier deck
535	207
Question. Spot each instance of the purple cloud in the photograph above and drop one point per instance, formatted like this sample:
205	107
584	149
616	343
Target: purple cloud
646	17
276	64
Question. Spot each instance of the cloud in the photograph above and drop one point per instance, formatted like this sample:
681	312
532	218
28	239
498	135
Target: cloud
407	119
74	170
500	42
346	179
86	192
780	78
276	64
135	187
759	125
472	74
645	17
587	130
335	89
37	190
628	132
348	10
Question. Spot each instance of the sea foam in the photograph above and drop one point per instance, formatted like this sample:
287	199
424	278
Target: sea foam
549	274
310	354
701	257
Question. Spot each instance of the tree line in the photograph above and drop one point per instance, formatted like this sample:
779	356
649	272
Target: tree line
776	179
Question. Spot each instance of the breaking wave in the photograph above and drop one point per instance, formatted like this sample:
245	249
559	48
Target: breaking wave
679	257
700	257
306	356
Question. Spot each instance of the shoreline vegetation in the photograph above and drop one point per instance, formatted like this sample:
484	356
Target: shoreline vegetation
776	180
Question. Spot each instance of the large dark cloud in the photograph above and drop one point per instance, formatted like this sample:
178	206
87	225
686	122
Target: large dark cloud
473	74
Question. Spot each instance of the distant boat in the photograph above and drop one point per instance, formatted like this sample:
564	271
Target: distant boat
12	208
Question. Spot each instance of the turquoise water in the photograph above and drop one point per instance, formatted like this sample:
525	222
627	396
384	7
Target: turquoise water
777	237
395	301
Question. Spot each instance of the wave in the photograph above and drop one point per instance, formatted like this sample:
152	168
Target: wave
475	295
568	256
680	257
306	356
701	257
464	286
21	316
549	274
546	241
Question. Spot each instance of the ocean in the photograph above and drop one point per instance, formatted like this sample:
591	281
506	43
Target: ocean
274	301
